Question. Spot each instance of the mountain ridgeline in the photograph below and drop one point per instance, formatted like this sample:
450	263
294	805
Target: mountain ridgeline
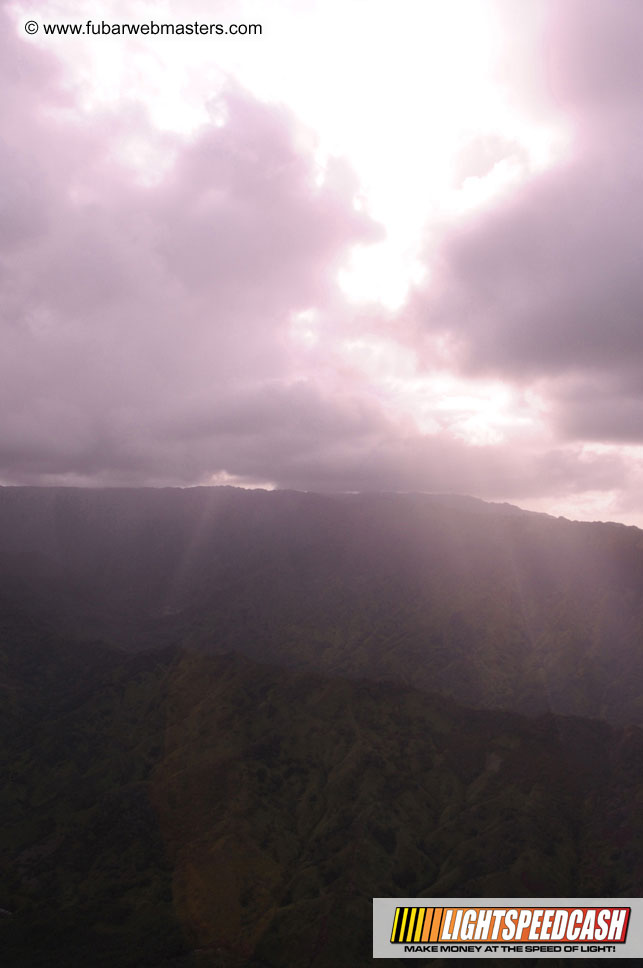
495	607
230	718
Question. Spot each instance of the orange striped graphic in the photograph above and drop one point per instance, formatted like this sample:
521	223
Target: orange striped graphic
568	925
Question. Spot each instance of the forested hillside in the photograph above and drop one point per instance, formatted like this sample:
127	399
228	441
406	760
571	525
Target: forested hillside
491	605
229	719
179	809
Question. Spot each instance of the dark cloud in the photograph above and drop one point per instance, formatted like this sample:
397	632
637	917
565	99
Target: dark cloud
547	281
440	463
591	51
600	410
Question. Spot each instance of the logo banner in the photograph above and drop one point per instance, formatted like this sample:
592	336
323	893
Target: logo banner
508	927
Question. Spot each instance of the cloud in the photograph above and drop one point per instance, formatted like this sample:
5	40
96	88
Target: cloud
127	305
545	285
439	463
170	311
593	56
600	410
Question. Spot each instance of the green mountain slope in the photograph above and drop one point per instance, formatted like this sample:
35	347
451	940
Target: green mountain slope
229	719
496	607
192	810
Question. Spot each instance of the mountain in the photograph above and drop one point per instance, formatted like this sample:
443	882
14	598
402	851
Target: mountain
183	809
230	718
495	607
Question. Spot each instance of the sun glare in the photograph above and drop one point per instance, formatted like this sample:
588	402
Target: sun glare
408	94
402	90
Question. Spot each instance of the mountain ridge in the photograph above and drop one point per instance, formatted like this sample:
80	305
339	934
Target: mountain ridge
506	610
231	718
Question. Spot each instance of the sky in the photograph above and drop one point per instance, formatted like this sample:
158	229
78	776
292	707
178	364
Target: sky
376	246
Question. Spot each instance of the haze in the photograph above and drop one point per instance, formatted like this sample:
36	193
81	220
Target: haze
375	248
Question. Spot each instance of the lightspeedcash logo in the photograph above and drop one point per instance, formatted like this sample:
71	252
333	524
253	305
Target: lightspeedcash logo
502	927
510	926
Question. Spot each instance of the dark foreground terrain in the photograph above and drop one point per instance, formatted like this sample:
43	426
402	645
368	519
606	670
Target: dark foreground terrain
230	719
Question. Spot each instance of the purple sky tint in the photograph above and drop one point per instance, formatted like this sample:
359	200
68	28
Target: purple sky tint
185	322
